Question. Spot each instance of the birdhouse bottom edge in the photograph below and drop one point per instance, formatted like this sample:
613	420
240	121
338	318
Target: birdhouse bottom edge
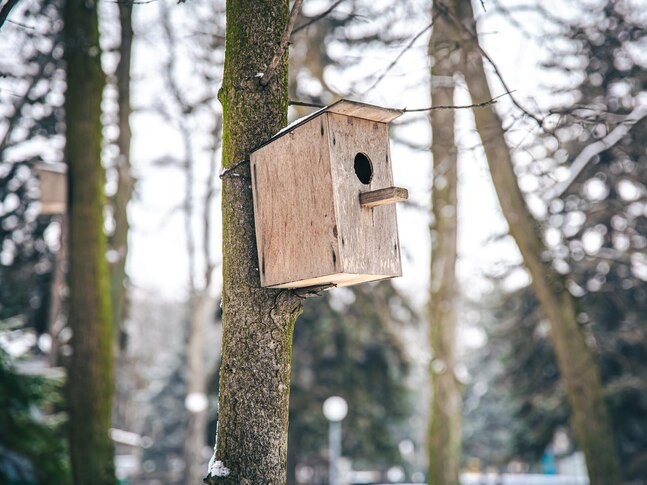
337	280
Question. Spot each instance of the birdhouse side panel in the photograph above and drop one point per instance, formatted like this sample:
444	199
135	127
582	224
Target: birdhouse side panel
361	162
294	208
53	191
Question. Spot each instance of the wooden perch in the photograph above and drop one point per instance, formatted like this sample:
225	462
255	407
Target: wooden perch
389	195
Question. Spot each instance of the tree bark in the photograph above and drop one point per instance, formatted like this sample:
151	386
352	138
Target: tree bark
125	182
578	366
90	374
257	322
444	443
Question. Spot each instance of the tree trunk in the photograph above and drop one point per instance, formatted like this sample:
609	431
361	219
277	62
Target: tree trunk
257	322
578	366
55	322
203	308
90	374
125	183
444	443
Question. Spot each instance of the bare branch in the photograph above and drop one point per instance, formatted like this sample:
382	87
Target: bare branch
306	104
464	106
134	2
6	10
230	172
409	110
595	148
449	14
317	17
283	45
399	56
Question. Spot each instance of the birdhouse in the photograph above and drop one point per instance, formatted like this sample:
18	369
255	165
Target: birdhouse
53	187
323	200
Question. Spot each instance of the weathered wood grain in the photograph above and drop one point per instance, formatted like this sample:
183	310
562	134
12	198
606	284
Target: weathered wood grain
364	111
388	195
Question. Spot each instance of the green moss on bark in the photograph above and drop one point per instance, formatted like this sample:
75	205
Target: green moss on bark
90	373
257	322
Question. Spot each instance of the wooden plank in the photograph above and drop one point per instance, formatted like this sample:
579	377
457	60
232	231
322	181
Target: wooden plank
368	239
338	279
364	111
294	214
388	195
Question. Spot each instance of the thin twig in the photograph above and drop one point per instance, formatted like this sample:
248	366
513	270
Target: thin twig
590	151
283	45
6	10
317	18
229	172
132	2
463	106
24	26
412	110
399	56
306	104
448	13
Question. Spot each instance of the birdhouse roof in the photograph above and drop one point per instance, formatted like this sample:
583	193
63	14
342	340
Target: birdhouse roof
347	108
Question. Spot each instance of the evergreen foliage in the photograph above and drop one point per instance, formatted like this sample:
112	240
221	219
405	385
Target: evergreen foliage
32	450
347	343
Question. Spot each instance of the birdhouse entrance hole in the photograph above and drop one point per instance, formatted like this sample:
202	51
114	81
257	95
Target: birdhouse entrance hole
363	168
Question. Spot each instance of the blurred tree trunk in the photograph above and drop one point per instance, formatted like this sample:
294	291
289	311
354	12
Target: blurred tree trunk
203	307
444	443
125	182
257	323
90	374
55	322
578	366
118	240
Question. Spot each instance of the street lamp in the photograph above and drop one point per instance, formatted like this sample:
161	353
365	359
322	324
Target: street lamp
335	410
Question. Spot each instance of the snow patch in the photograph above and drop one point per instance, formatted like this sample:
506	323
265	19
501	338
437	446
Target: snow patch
217	468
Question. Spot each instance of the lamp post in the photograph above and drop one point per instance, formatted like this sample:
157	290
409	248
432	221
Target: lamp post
335	410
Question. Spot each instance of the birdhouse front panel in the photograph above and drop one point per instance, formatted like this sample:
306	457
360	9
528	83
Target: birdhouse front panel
294	208
361	162
323	200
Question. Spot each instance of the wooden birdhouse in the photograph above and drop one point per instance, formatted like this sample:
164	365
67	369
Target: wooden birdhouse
53	187
323	200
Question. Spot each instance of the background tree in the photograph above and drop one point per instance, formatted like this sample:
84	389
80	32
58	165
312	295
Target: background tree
579	370
444	449
90	372
595	234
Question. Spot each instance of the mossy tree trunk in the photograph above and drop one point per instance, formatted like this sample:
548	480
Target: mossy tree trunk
90	373
443	440
257	323
578	367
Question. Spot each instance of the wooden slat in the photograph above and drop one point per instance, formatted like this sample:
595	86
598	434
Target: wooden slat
389	195
364	111
368	239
